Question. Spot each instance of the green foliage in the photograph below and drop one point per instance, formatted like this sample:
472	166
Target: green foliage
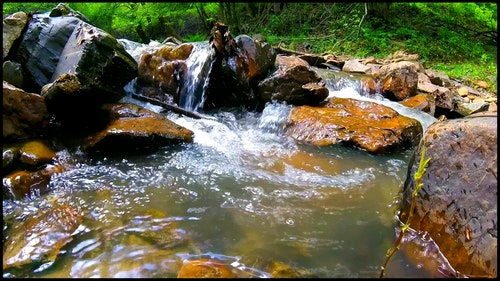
195	38
28	7
458	38
483	69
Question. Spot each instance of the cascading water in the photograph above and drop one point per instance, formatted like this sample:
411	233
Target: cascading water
195	80
242	193
346	85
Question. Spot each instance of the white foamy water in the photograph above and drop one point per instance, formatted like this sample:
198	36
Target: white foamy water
346	85
350	92
242	193
195	80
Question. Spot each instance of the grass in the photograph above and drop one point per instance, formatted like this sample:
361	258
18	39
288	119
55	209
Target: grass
421	31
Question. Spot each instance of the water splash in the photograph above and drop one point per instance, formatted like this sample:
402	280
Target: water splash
424	252
350	92
346	85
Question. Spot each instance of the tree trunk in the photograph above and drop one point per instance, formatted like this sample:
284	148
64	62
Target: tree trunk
142	34
378	9
204	18
229	15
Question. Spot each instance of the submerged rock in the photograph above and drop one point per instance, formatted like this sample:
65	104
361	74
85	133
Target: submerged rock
205	268
39	239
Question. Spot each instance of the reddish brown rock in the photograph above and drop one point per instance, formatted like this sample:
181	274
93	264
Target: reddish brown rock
234	74
132	128
363	124
205	268
161	71
457	204
20	184
36	152
254	60
287	83
40	238
24	114
369	85
399	80
422	102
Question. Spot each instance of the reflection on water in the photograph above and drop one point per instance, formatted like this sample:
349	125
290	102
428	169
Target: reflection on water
241	189
242	193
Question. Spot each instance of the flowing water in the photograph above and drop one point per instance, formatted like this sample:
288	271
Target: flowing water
242	193
194	84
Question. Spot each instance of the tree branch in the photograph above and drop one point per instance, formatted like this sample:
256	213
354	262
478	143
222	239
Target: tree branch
172	107
362	18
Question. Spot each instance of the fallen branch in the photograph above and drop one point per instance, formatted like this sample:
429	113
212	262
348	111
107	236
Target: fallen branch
171	107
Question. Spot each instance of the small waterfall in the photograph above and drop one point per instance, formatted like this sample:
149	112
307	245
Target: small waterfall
346	85
195	80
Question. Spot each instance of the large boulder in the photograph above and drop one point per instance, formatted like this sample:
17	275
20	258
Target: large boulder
293	81
24	114
133	128
235	75
255	59
362	124
56	45
400	79
457	204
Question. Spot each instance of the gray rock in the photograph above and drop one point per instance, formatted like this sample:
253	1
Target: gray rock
355	66
53	46
12	73
13	26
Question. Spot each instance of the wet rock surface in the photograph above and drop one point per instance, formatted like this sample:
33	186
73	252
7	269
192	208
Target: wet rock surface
161	72
70	45
79	67
41	237
367	125
294	82
457	204
135	128
24	114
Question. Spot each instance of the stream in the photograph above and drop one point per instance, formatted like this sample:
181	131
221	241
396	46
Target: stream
242	193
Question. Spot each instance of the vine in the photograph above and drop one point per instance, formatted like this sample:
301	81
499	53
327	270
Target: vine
419	174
